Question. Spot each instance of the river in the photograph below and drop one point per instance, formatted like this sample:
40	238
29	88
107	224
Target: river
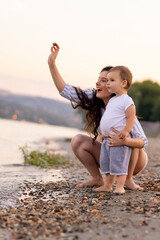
15	134
13	172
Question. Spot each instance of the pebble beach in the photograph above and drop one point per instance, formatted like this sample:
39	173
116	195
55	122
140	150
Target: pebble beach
46	204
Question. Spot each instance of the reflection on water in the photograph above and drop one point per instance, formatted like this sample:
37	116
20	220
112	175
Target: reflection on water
15	134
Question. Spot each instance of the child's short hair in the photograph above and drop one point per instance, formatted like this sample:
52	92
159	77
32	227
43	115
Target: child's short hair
125	74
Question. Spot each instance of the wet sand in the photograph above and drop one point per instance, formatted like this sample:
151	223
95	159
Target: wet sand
58	210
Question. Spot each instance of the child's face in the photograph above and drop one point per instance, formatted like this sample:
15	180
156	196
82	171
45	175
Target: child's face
115	84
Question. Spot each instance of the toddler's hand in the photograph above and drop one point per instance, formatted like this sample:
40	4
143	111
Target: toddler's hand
102	137
123	134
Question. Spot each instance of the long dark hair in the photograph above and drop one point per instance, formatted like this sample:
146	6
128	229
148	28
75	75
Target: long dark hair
93	107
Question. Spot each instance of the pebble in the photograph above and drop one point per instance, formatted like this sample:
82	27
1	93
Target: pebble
58	208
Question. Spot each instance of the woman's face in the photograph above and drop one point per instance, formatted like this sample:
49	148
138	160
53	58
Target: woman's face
102	91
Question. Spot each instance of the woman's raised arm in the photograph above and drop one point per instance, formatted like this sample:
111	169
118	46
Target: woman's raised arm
58	80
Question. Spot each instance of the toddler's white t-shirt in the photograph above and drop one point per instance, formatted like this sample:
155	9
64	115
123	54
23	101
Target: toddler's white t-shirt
114	115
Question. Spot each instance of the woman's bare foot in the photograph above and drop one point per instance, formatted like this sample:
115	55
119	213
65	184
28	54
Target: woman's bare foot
133	186
119	190
92	182
103	189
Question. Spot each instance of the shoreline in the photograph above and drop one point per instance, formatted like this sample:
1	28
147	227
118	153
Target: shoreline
132	216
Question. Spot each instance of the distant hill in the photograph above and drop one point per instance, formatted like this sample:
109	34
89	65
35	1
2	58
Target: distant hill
38	109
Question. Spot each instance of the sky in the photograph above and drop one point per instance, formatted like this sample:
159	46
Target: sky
91	34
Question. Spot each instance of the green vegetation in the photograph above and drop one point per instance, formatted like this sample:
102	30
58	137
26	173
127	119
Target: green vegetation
146	96
41	159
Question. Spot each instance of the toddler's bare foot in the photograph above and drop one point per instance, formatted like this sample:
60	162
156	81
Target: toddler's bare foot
92	182
103	189
133	186
119	190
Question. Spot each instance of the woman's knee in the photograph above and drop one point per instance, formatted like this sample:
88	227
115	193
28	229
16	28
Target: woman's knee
141	162
77	141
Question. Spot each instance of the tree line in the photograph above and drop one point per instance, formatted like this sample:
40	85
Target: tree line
38	109
146	96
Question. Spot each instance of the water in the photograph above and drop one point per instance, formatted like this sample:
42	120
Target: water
15	134
13	173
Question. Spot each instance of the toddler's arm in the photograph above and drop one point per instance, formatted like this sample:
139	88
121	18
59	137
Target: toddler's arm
130	118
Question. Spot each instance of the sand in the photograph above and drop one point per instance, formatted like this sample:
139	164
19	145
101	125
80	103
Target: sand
56	209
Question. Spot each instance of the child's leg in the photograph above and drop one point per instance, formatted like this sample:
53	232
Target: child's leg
120	184
108	183
132	163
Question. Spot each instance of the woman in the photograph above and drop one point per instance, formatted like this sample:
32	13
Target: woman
87	150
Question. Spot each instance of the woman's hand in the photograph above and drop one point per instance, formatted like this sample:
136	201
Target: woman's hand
57	79
54	52
115	140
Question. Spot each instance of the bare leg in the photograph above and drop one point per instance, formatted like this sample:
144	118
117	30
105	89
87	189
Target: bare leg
88	154
141	162
120	184
132	164
107	187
